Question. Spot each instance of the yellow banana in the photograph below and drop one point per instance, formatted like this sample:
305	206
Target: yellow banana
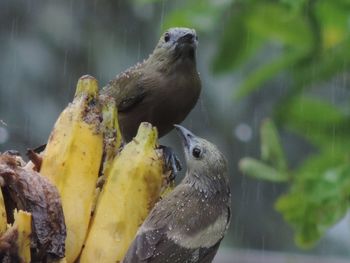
3	217
23	223
72	160
132	186
111	132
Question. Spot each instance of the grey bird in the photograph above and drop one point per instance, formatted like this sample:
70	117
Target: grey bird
161	90
188	225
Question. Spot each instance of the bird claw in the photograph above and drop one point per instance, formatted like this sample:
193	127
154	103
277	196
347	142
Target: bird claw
172	163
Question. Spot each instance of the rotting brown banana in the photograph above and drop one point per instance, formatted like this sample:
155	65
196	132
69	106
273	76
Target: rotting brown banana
132	186
72	160
8	245
25	189
15	242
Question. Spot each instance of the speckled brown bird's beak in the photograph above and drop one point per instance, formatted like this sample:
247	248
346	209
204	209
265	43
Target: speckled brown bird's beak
187	137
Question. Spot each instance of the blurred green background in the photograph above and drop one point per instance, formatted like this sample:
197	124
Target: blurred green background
275	89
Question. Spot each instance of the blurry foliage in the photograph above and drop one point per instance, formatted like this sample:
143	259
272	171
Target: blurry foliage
308	41
319	191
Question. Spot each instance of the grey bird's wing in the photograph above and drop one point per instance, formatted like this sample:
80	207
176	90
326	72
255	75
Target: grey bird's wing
152	243
207	254
128	88
154	247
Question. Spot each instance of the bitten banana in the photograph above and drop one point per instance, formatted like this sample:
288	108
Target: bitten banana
72	160
132	187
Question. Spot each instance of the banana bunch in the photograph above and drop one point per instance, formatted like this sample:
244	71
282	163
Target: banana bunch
90	195
131	189
65	213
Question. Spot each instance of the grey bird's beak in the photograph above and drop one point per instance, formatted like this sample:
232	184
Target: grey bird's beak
189	38
187	137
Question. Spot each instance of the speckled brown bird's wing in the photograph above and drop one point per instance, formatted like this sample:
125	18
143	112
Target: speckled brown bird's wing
127	88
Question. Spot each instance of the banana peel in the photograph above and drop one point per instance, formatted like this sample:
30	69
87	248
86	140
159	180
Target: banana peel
132	187
72	161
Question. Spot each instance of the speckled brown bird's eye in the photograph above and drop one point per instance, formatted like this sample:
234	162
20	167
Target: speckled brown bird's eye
166	37
196	152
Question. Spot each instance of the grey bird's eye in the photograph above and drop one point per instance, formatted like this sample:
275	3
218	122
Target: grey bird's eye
196	152
166	37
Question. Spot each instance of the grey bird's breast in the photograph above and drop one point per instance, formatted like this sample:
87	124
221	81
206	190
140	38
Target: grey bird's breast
200	221
168	101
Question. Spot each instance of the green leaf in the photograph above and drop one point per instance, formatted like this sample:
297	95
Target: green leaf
295	5
275	22
271	149
255	79
333	17
236	45
316	164
260	170
307	110
332	61
321	122
317	199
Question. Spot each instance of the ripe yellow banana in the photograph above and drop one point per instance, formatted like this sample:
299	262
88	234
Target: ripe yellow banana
23	224
132	186
111	131
3	217
72	160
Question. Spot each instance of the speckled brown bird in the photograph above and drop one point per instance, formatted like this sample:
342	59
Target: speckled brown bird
161	90
188	224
